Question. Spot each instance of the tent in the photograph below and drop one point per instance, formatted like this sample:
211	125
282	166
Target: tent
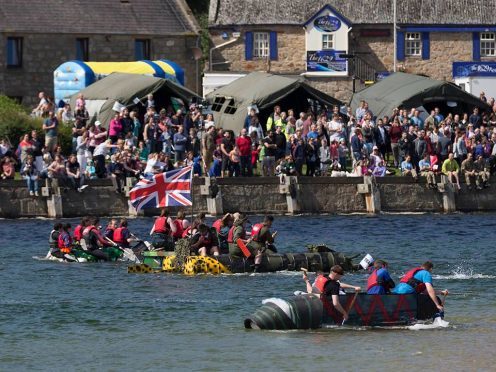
230	103
119	89
413	91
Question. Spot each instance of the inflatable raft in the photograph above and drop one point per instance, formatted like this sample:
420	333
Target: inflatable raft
159	261
308	311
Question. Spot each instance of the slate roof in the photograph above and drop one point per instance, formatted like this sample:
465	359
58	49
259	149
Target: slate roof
296	12
136	17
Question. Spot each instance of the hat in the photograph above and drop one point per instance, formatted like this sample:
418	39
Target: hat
209	125
375	148
226	217
98	123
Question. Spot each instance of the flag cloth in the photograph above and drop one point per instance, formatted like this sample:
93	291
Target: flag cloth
168	189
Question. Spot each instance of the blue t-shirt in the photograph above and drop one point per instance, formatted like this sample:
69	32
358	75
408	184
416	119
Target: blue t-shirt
382	275
423	275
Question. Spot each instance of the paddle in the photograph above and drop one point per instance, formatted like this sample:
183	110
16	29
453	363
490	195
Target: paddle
351	306
128	253
243	248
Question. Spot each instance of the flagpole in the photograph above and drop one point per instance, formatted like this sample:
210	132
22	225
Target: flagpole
192	196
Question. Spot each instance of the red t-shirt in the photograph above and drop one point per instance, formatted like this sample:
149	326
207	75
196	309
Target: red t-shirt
244	145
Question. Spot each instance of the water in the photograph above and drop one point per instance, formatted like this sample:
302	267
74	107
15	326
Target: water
57	316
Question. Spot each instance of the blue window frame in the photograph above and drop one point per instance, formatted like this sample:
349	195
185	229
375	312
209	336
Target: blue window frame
82	49
141	49
14	51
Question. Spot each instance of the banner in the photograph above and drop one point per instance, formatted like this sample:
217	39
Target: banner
326	61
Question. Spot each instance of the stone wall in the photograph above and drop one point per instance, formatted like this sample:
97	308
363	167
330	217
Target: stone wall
15	201
43	53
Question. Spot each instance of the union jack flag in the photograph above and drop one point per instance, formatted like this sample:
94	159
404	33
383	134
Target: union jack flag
168	189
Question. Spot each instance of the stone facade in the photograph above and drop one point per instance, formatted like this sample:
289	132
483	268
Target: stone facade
43	53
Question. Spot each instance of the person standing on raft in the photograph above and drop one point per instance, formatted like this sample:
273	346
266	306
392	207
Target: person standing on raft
380	281
329	285
419	280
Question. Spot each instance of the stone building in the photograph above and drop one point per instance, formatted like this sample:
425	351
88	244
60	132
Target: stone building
37	36
337	45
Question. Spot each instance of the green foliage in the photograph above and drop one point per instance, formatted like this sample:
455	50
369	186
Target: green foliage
200	11
15	121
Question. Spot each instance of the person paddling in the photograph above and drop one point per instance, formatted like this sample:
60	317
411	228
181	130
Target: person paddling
78	230
329	285
380	281
419	280
162	231
222	227
65	240
53	239
181	224
122	235
205	242
94	240
237	231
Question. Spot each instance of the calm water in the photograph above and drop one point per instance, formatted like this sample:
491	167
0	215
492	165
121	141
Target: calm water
57	316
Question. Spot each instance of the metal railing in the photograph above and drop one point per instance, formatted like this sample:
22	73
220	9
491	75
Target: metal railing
362	70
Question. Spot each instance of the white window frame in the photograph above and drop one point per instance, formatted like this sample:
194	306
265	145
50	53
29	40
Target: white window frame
327	41
413	44
488	44
261	47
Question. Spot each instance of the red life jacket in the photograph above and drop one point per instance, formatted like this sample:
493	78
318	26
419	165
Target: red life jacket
412	282
320	282
161	226
119	236
206	239
217	225
374	280
78	233
88	229
230	234
179	228
255	231
64	248
186	232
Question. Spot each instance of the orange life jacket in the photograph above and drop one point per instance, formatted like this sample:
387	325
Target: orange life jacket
217	225
412	282
320	282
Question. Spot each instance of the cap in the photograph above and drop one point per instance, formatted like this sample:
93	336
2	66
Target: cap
98	123
375	148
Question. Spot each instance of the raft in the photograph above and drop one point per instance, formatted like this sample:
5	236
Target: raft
159	261
308	311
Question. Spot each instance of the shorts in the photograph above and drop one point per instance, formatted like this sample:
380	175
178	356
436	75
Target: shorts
50	142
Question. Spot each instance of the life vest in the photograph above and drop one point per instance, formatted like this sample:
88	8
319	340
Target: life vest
119	236
179	228
109	232
53	238
87	230
78	233
206	239
320	282
186	231
374	280
161	226
217	225
412	282
255	231
230	235
64	248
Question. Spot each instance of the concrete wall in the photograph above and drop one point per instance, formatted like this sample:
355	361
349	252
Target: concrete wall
43	53
259	195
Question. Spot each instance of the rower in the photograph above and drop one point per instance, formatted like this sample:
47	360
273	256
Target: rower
162	231
65	240
191	230
222	227
329	285
78	230
181	224
109	230
237	231
53	239
122	235
261	241
205	242
94	240
380	281
419	280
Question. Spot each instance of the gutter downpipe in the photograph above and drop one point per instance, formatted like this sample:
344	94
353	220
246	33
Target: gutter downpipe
395	37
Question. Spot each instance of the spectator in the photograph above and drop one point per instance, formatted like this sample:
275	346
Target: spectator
67	114
97	135
451	169
180	141
426	171
312	156
50	127
101	151
255	127
40	109
244	144
75	174
280	142
324	156
127	123
208	146
31	175
115	128
269	155
8	168
90	171
57	169
407	168
482	171
234	159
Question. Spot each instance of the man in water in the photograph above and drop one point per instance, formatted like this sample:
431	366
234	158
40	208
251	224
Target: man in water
419	280
329	285
379	281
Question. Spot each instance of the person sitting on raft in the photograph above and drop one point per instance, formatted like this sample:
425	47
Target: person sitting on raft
261	237
191	230
78	231
380	281
238	231
94	240
205	242
162	231
181	224
53	239
222	227
122	235
419	280
329	285
109	230
65	239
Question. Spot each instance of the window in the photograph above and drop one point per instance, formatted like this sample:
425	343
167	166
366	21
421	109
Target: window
142	49
218	103
260	44
82	49
488	44
14	52
413	44
327	41
231	108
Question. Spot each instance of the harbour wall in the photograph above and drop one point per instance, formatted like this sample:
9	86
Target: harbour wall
257	195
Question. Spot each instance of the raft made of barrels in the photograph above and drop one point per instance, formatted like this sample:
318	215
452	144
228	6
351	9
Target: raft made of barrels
308	311
154	261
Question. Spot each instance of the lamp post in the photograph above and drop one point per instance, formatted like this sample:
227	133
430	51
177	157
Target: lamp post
395	36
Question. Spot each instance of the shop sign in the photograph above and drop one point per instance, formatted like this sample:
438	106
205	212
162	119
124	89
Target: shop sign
466	69
326	61
327	23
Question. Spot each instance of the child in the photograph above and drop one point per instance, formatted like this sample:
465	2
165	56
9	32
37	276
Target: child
150	102
343	154
90	170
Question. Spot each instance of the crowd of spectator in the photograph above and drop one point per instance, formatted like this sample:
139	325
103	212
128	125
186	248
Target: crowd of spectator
335	142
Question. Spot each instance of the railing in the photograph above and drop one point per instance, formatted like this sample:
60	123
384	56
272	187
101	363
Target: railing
362	70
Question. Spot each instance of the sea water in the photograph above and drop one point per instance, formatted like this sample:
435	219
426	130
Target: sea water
58	316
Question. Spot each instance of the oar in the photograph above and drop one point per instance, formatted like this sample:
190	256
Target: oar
243	248
128	253
351	306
